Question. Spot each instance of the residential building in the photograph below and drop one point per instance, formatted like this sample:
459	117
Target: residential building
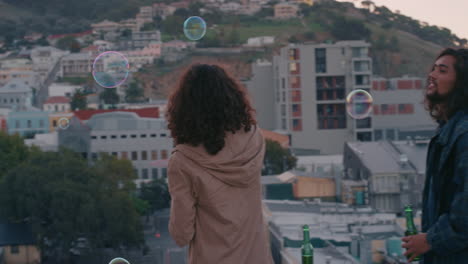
63	89
80	36
260	41
249	9
147	55
310	84
144	16
129	24
57	104
3	119
55	118
298	2
260	89
29	77
398	110
393	170
162	10
328	166
18	244
46	142
105	26
139	40
15	94
285	11
77	65
230	7
138	135
27	122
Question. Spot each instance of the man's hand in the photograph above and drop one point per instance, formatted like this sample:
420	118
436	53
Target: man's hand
416	245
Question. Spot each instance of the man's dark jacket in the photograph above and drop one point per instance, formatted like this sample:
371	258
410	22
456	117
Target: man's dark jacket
445	211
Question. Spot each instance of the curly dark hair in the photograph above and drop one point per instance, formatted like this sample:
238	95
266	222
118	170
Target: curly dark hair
458	98
207	103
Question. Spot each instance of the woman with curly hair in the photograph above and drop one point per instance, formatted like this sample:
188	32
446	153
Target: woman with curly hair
214	170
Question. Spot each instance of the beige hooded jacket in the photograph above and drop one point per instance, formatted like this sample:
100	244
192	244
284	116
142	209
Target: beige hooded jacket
216	203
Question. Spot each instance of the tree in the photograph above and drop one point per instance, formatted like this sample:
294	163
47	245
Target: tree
172	25
13	152
109	96
156	193
62	198
277	159
68	43
134	93
78	101
349	29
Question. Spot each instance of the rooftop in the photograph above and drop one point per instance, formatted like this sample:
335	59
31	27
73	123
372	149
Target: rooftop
151	112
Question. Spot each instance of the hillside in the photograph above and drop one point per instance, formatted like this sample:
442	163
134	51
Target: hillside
400	44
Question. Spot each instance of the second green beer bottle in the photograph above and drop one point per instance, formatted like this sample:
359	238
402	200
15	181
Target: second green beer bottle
307	250
410	227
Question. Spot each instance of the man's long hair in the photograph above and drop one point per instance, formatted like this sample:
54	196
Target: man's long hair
443	108
207	103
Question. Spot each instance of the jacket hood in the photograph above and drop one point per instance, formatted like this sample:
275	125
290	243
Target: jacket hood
237	164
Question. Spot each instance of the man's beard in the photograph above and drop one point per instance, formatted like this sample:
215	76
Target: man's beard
437	98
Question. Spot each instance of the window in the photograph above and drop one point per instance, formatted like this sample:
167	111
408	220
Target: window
331	116
378	135
405	109
113	136
283	83
293	54
163	135
41	123
390	134
297	124
144	155
320	60
376	110
136	173
123	136
94	156
361	66
103	137
56	108
330	88
283	124
144	173
134	155
362	80
364	123
124	155
29	123
388	109
93	137
17	124
164	154
114	154
296	96
154	155
294	68
153	135
296	110
143	136
154	171
164	172
364	136
14	249
295	81
133	136
359	52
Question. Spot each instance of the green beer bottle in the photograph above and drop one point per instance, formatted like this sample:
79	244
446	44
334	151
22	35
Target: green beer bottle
410	227
307	250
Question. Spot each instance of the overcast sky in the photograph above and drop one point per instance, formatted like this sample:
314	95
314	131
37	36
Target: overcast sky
452	14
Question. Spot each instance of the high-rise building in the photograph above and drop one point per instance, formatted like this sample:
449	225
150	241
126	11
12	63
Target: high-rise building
311	82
